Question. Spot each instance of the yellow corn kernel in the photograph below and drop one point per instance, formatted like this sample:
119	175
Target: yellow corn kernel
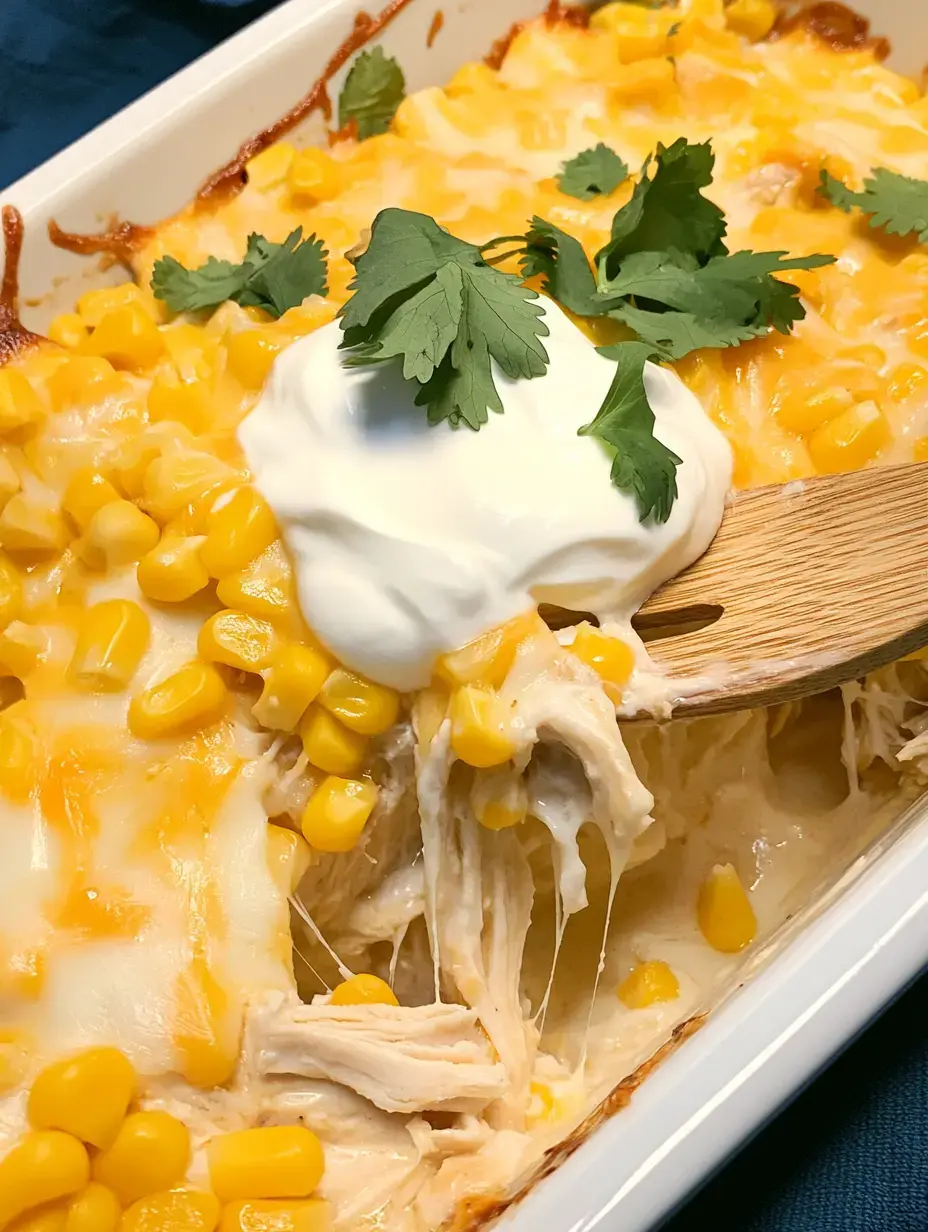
478	734
430	710
250	354
49	1217
96	1209
363	989
21	647
752	18
330	745
647	984
487	659
20	405
238	530
118	534
128	338
264	588
10	482
18	753
644	81
193	352
867	353
337	813
471	77
172	571
499	798
192	698
86	1095
497	815
150	1152
612	659
173	1210
726	917
87	491
271	1215
113	638
11	591
68	330
275	1161
42	1167
175	480
849	441
921	450
83	381
185	402
361	705
314	174
905	380
237	640
802	409
291	682
270	167
93	306
27	526
288	857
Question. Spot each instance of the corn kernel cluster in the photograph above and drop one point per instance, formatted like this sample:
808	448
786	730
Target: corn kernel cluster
90	1163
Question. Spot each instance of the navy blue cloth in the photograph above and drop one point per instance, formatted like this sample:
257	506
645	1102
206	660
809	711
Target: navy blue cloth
851	1153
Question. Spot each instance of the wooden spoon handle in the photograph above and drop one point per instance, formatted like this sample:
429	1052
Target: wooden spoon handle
818	581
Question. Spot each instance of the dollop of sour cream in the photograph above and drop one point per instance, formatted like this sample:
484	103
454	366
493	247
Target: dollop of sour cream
408	540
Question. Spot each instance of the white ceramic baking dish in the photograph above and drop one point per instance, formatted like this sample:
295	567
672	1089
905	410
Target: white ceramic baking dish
850	954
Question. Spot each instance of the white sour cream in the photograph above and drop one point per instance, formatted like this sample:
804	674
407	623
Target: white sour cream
409	540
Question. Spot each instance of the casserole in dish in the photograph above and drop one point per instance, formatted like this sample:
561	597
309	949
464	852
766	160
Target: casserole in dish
167	698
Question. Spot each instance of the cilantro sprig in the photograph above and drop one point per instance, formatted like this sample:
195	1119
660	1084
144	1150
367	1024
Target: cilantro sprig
592	173
895	202
428	298
641	464
667	275
274	277
373	90
666	272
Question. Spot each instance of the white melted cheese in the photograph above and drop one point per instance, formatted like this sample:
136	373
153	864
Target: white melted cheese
409	540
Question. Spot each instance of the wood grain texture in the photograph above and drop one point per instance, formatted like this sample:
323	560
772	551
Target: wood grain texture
818	582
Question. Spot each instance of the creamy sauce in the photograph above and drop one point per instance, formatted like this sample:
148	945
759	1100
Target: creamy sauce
410	540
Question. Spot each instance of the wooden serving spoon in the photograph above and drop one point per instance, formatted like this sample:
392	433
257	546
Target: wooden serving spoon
806	586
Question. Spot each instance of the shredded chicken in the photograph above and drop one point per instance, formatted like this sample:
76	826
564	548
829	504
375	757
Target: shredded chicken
401	1058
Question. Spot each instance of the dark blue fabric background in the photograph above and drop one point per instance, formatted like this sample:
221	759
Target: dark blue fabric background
851	1154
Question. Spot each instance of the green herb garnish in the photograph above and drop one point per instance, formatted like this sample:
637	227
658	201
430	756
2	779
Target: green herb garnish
430	299
592	173
894	202
373	90
668	276
641	464
274	277
666	272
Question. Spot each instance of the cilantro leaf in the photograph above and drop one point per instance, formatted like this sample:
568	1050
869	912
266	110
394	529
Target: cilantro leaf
404	250
667	210
422	295
641	464
373	90
735	289
895	202
186	290
592	173
672	335
283	274
274	277
561	261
